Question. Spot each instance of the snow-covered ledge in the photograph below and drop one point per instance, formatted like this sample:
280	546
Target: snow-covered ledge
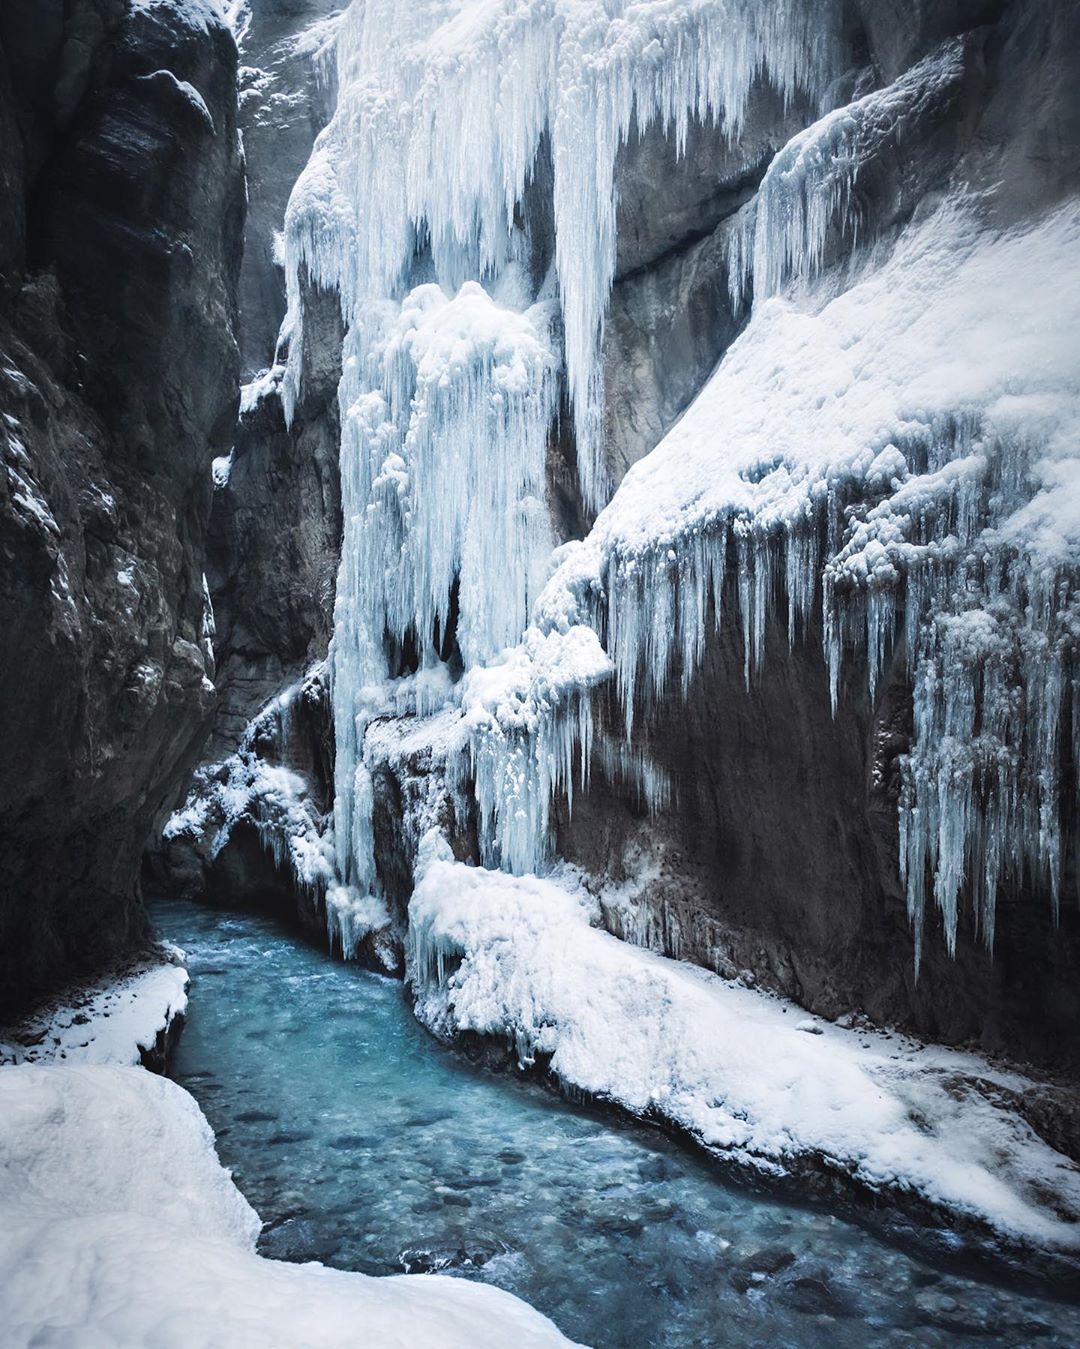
128	1016
747	1075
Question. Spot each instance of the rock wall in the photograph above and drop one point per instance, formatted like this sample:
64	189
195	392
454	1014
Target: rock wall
121	219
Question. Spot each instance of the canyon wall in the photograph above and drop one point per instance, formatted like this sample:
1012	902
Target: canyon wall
120	247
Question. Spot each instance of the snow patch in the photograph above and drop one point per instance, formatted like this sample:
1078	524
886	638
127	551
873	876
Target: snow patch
108	1021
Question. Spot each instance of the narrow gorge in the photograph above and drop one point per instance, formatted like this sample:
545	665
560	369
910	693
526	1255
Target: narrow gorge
540	568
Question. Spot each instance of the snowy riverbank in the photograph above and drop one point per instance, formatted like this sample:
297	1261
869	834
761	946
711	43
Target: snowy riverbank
119	1226
747	1075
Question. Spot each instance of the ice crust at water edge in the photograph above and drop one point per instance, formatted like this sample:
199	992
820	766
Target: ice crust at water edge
516	958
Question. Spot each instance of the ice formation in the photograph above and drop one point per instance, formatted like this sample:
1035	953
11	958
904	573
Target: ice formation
414	209
442	112
896	421
807	201
518	959
254	786
903	451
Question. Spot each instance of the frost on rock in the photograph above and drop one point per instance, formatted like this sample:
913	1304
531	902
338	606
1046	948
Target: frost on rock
253	789
119	1226
518	959
201	14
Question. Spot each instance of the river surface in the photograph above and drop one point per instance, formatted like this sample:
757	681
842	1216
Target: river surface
363	1142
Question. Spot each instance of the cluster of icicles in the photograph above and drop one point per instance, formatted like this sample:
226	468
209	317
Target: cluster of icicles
413	210
985	636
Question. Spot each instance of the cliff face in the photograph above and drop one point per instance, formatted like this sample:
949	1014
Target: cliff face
275	526
119	252
778	857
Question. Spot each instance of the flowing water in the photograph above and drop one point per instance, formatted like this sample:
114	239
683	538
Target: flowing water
364	1143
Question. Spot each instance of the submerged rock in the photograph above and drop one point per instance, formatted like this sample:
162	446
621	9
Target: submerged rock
431	1257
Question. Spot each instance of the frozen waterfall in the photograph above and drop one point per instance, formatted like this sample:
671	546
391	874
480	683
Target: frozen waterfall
852	458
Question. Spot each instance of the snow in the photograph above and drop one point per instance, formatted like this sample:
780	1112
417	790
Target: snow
200	14
187	92
266	382
220	469
518	958
108	1021
118	1226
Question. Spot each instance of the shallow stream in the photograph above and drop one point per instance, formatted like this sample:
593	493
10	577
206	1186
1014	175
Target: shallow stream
364	1143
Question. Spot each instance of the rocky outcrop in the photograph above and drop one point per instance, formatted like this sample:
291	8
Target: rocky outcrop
275	536
120	249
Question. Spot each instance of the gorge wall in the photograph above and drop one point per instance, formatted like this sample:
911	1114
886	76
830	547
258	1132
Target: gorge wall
121	220
776	855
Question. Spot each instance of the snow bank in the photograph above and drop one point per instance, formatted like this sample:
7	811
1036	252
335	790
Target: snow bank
118	1226
517	958
111	1020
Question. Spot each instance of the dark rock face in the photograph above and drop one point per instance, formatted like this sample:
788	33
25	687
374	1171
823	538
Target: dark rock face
120	238
287	82
275	536
670	317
